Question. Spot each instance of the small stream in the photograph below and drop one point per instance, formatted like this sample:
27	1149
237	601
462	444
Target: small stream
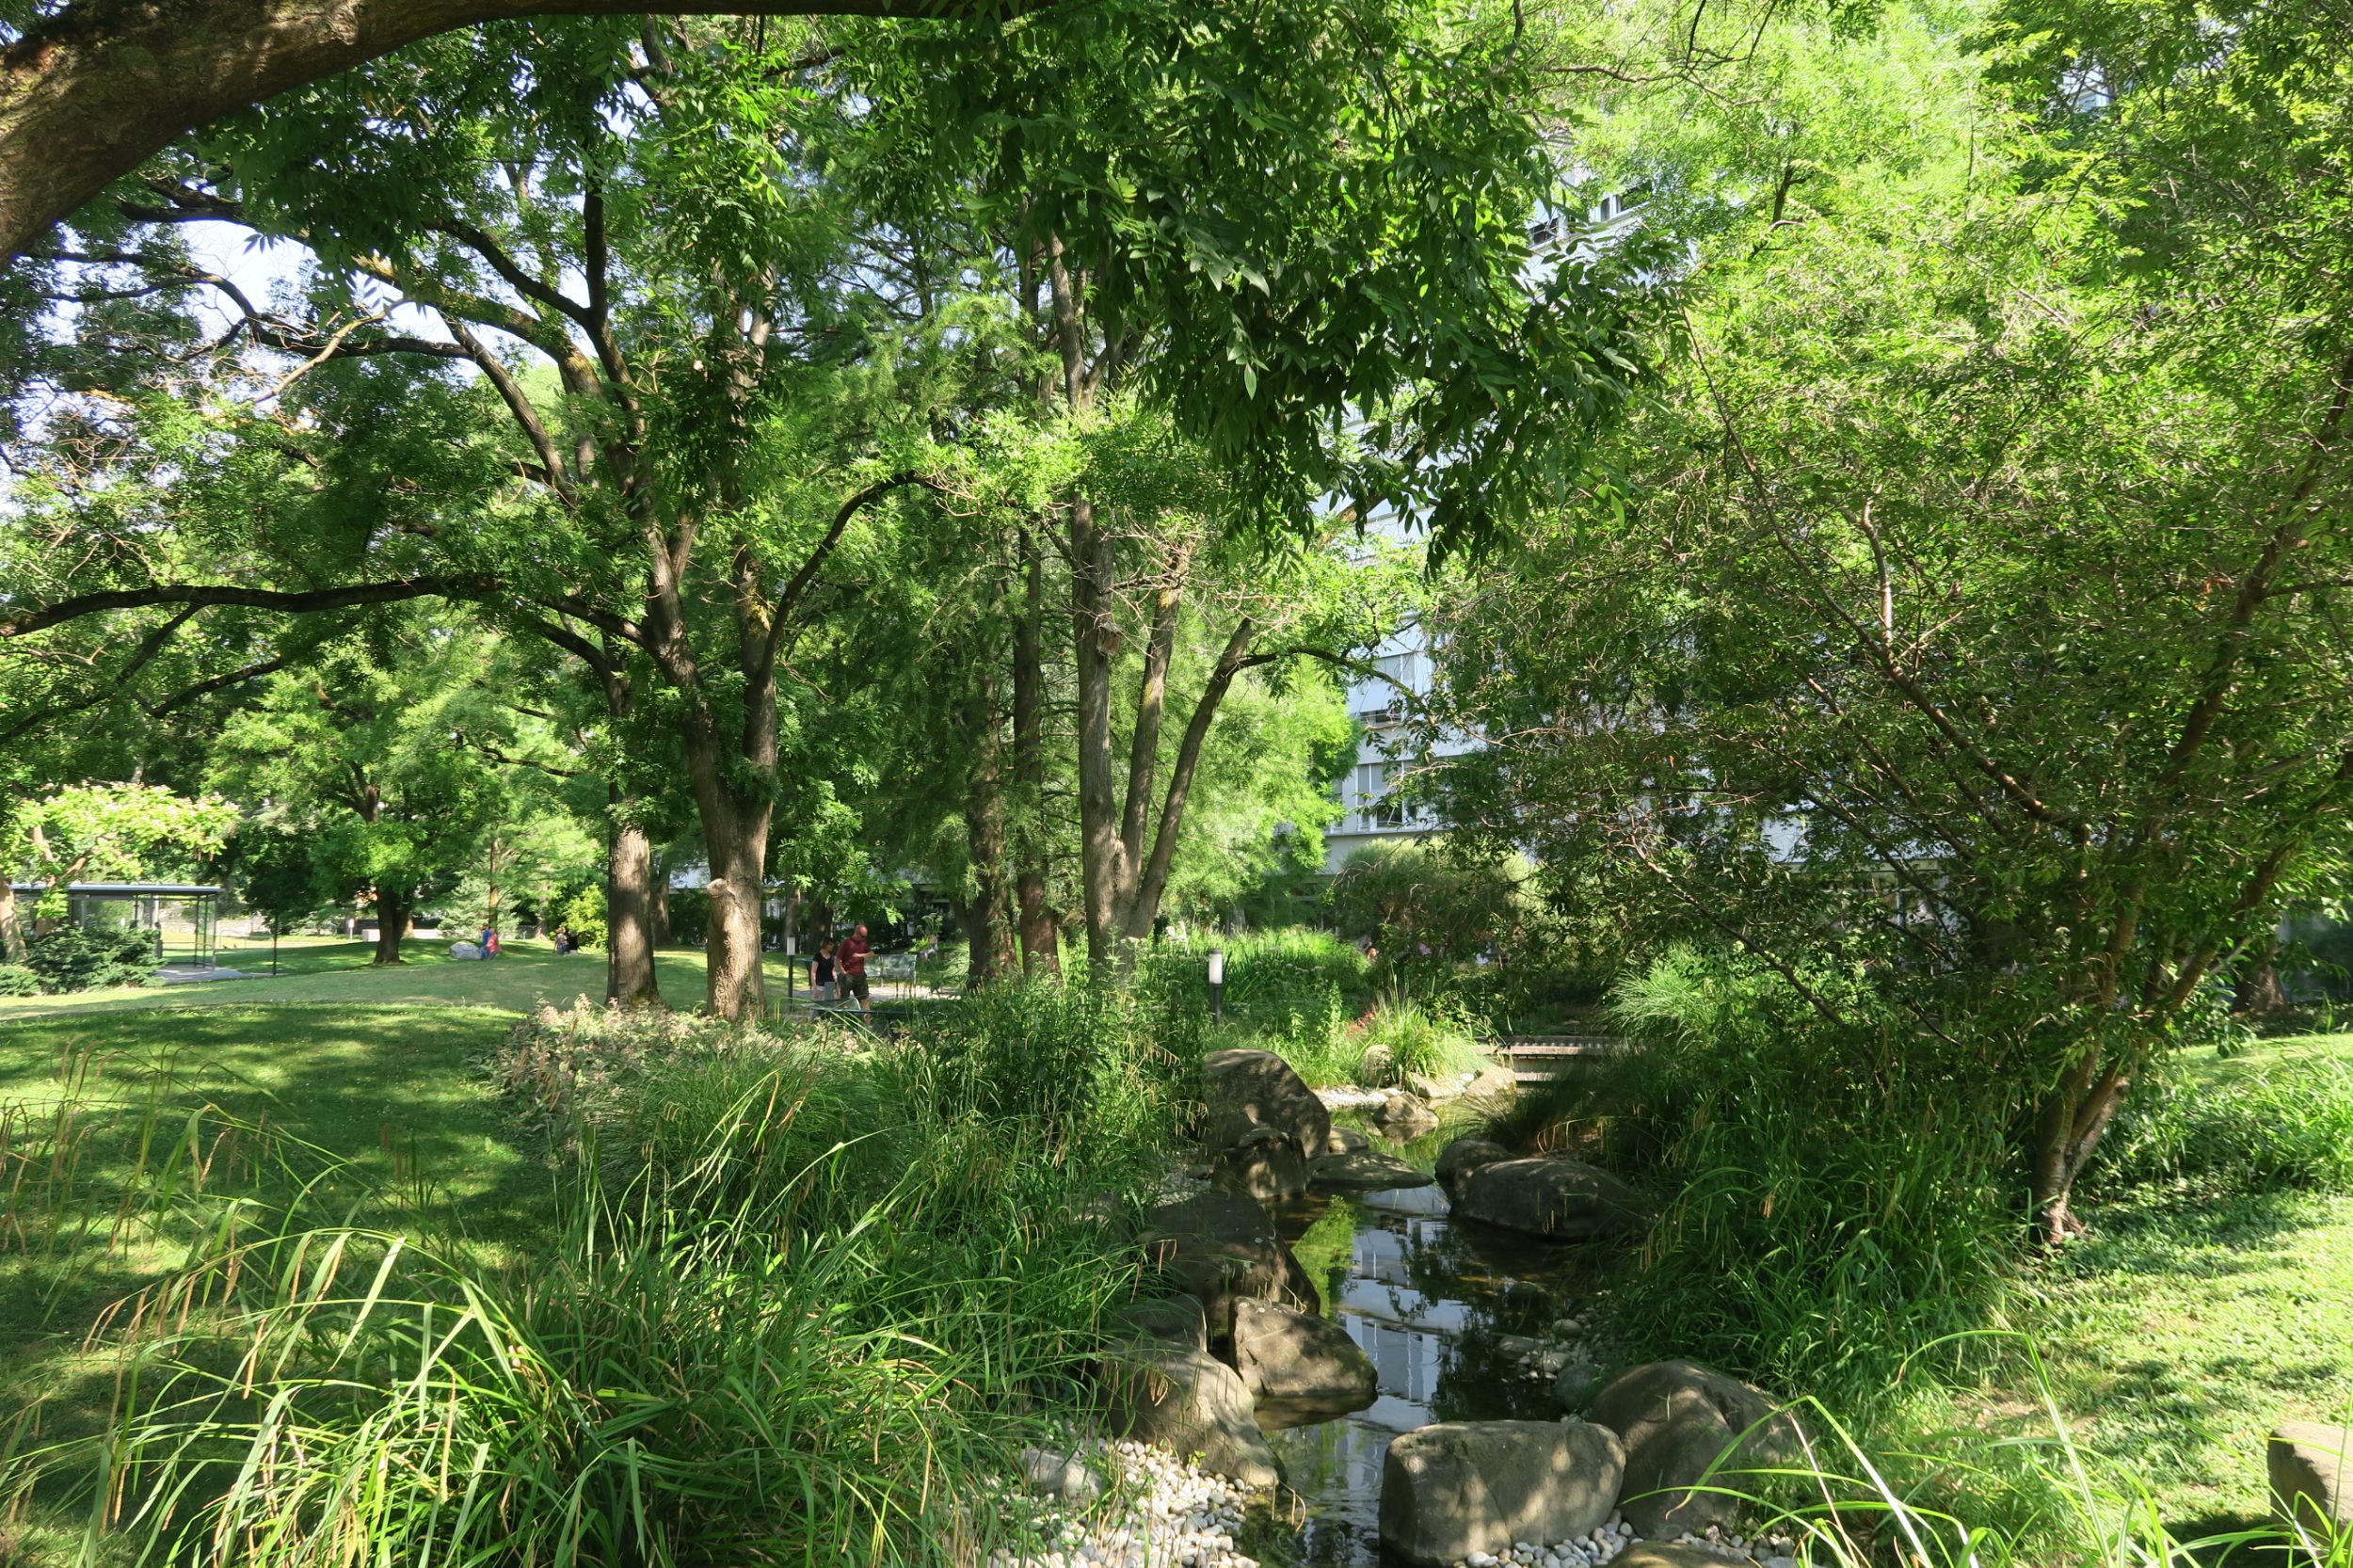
1431	1302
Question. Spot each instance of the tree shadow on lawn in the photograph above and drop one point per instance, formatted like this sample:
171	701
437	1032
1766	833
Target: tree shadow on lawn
368	1118
2188	1326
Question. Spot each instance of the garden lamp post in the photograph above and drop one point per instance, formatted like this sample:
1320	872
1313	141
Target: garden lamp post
1217	985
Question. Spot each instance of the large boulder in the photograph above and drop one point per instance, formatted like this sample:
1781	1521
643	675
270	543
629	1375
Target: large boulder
1463	1156
1460	1487
1285	1354
1364	1171
1265	1165
2311	1478
1166	1319
1347	1139
1246	1089
1553	1196
1193	1405
1403	1115
1219	1246
1493	1086
1689	1437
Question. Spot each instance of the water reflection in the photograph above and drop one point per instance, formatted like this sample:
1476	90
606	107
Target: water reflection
1428	1301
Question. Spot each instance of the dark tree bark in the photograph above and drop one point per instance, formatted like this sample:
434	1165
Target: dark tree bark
1041	949
629	975
391	924
91	93
990	942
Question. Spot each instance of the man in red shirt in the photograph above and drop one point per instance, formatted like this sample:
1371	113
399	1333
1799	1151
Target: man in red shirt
851	958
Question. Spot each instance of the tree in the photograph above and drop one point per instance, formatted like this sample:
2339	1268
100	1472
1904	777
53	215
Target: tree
104	832
361	751
1965	607
775	234
91	89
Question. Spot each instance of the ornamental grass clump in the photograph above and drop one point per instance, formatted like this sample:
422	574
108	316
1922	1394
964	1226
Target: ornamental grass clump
795	1304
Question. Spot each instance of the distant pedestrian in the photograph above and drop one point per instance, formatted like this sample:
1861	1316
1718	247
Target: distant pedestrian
821	972
854	953
491	942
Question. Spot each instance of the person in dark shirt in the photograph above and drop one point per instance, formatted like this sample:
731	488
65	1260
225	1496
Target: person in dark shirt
853	952
821	971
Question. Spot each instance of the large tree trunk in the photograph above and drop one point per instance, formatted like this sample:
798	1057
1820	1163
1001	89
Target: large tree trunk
391	925
1041	947
628	973
1095	641
735	832
91	93
989	942
1143	905
2073	1118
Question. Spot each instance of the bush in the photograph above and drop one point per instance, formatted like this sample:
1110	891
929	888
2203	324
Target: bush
585	913
74	960
2286	1127
1830	1205
1401	1038
805	1298
689	916
18	981
1063	1059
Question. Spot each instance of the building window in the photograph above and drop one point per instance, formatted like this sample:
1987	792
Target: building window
1376	803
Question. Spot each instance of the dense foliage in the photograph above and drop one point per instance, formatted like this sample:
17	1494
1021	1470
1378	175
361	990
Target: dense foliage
1963	607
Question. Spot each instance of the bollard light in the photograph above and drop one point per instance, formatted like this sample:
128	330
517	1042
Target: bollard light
1217	985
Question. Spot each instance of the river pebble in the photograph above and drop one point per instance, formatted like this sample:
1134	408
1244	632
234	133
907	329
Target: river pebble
1609	1540
1165	1514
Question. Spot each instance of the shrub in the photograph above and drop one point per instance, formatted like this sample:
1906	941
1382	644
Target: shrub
1401	1038
689	916
1830	1206
2288	1127
804	1297
75	960
584	912
1319	1039
18	981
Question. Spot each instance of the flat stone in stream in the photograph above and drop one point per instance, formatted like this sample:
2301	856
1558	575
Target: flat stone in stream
1287	1355
1364	1171
1458	1160
1460	1487
1562	1199
1218	1247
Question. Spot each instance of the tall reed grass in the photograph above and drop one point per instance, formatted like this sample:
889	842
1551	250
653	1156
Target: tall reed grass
797	1304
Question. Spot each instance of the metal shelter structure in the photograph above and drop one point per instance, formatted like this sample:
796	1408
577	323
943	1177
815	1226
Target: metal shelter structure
179	916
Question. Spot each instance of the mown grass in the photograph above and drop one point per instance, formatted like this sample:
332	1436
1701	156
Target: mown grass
776	1297
2213	1297
334	972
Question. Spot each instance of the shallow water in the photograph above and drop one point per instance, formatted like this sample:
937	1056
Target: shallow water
1427	1298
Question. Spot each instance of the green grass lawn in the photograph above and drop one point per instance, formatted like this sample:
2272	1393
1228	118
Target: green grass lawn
329	971
2183	1327
360	1083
